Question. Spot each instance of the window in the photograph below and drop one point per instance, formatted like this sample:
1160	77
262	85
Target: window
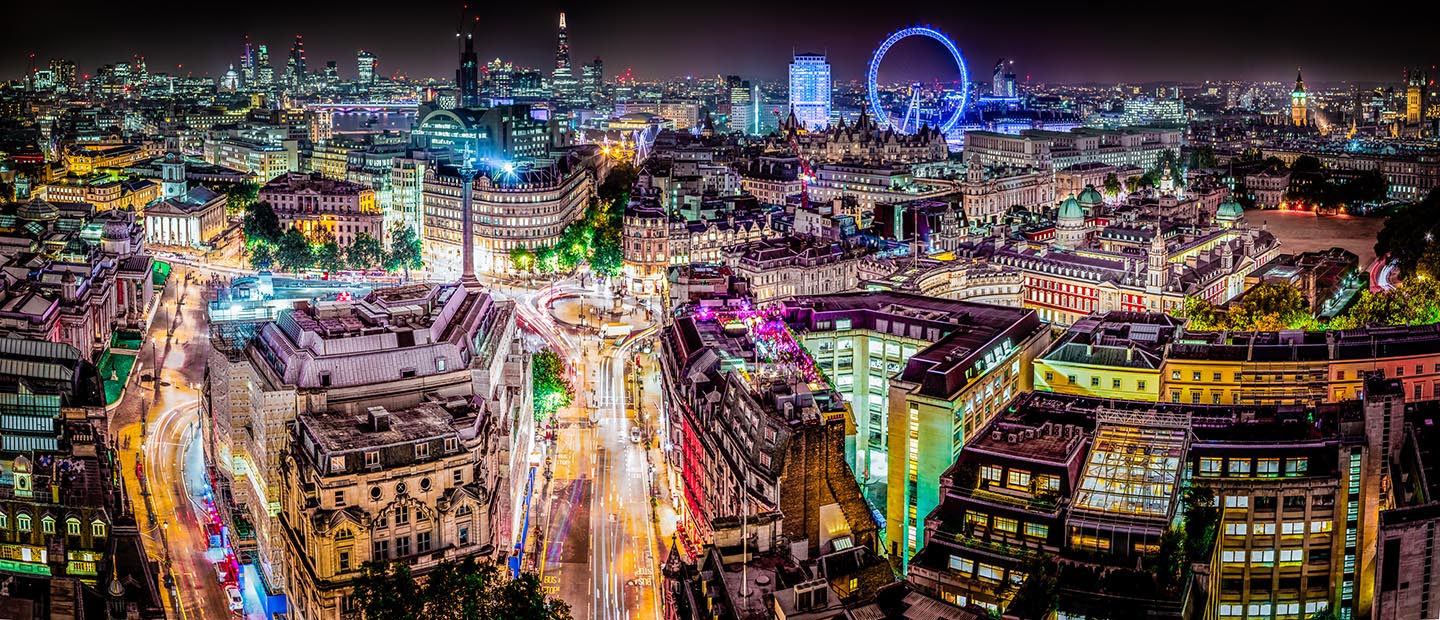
1236	529
1049	378
1232	557
380	550
4	521
1019	479
1263	529
1175	375
457	477
337	464
1215	377
1209	466
961	564
1265	502
977	519
22	522
402	546
1115	383
1290	528
1317	527
990	472
1237	501
1399	371
1262	556
452	444
1339	375
1194	398
464	535
439	364
1006	524
422	542
1174	396
344	560
990	573
97	529
339	499
72	527
1267	468
1047	482
1195	375
422	450
1094	381
47	524
1239	467
1296	466
1295	502
1071	378
402	515
1037	530
1140	385
372	458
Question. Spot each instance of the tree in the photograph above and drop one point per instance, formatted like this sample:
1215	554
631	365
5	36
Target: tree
293	252
1038	596
1132	185
551	389
1202	314
458	589
546	259
261	224
1112	185
365	252
608	259
1271	306
262	256
1409	232
239	196
328	256
1201	520
405	253
521	258
1203	157
617	183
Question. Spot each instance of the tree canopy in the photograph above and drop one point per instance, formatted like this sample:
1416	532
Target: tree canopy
552	390
405	253
261	224
460	589
294	253
1270	306
365	252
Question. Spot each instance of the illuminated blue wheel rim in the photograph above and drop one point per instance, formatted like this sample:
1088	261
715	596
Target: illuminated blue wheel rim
882	115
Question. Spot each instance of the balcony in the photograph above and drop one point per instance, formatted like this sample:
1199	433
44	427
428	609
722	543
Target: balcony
1048	504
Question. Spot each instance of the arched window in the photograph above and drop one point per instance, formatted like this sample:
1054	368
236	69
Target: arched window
47	524
344	534
22	522
97	529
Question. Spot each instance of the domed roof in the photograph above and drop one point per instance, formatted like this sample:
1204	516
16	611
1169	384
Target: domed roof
1230	210
1071	209
117	230
38	210
1090	197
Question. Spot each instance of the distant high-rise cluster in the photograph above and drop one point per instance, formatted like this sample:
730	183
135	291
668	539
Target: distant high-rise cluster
1002	81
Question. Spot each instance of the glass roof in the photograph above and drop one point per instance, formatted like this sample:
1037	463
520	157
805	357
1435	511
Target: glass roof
1134	467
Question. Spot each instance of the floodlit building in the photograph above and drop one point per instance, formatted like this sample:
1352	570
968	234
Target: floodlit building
1102	483
810	91
314	203
396	348
922	374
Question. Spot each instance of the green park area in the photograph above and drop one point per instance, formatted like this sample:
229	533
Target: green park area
160	273
126	339
115	371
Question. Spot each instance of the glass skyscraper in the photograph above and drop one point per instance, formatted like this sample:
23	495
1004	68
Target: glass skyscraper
810	90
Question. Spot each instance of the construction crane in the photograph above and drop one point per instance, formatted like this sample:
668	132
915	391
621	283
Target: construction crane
806	173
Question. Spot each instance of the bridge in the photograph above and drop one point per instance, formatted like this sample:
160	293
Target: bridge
346	108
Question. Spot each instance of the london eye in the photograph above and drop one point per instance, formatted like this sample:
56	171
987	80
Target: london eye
934	107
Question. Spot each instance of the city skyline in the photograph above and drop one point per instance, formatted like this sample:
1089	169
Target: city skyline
1053	46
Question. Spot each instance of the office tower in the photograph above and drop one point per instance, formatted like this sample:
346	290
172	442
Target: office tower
64	72
744	106
563	79
498	75
365	68
467	77
139	73
592	80
1297	101
332	73
264	73
295	68
247	63
810	91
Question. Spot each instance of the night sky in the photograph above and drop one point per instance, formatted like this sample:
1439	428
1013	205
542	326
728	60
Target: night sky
1072	42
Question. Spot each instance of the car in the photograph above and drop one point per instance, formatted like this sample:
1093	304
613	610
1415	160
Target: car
236	603
635	434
